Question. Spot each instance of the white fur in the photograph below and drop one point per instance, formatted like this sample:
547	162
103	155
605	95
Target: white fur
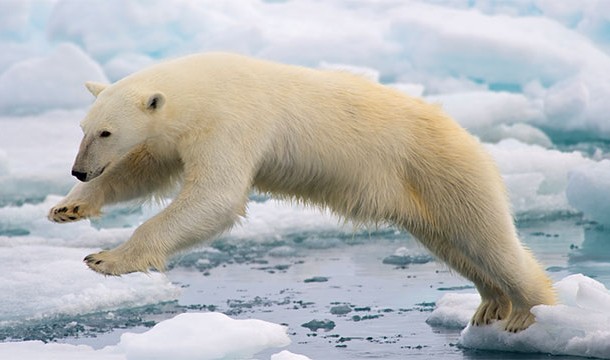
222	124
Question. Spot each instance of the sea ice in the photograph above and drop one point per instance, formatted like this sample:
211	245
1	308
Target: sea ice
496	116
588	190
31	85
3	163
203	336
579	326
48	281
536	177
287	355
526	70
188	336
446	48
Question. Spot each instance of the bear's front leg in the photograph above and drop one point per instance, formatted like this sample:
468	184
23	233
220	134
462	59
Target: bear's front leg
177	227
82	202
209	202
137	254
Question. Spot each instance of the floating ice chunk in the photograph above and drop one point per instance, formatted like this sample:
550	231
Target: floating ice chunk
34	350
580	326
483	109
51	82
494	116
56	282
523	132
261	221
566	101
189	336
124	64
454	310
287	355
32	219
578	102
404	256
567	289
500	49
204	336
588	190
536	177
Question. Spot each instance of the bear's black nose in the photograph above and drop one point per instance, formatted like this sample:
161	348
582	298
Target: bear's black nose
79	175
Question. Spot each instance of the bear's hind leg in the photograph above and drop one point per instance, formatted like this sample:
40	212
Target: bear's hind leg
519	283
534	288
508	277
495	303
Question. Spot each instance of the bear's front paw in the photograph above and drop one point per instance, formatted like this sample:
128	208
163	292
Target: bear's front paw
116	263
62	213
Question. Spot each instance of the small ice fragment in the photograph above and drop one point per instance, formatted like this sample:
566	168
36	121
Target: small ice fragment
403	256
340	309
315	325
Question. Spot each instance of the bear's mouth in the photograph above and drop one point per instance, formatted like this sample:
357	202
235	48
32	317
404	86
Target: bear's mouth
98	172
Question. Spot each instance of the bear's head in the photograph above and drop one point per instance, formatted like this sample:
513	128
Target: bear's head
119	120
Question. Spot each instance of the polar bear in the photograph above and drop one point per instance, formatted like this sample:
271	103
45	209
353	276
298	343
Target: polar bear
218	125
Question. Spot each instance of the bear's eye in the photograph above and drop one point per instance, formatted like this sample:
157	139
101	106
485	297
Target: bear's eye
105	134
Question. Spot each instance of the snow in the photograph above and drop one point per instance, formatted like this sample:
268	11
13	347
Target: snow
189	336
529	78
579	326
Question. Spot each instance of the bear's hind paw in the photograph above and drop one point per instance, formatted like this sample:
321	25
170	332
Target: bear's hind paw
490	311
519	320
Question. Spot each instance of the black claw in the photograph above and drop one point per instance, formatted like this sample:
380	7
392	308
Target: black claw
98	262
63	210
72	217
88	258
75	210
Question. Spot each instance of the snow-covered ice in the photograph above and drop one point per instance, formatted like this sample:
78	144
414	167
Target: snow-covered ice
587	190
50	82
579	325
191	336
555	69
203	336
529	78
46	281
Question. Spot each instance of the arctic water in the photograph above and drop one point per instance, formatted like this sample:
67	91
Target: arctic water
528	78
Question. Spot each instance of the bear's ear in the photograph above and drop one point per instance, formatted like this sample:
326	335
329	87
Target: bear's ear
95	88
154	102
